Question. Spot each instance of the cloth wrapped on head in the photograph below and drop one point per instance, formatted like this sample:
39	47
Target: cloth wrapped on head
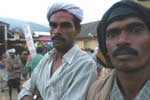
71	8
12	50
119	10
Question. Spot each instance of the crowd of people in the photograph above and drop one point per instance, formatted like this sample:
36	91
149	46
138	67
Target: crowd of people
119	70
15	69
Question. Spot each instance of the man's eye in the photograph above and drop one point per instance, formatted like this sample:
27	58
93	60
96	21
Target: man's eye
66	25
53	25
112	33
136	30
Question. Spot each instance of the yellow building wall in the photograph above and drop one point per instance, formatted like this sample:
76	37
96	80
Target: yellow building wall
90	44
144	3
87	43
80	43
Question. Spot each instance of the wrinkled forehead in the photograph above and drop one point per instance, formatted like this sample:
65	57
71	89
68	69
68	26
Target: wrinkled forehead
123	22
61	16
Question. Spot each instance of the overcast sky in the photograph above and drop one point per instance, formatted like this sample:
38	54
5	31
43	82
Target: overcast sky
35	10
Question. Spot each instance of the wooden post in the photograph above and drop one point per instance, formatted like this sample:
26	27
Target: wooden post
5	36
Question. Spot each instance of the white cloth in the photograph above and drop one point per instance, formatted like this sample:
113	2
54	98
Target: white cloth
69	82
12	50
71	8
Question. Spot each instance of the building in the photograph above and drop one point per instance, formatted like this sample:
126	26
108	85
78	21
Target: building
146	3
12	35
87	39
3	37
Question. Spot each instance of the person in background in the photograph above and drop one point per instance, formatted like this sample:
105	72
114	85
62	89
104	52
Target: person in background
3	73
124	39
2	66
65	72
32	63
14	71
24	59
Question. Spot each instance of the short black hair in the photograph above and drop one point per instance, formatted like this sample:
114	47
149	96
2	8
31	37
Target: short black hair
39	50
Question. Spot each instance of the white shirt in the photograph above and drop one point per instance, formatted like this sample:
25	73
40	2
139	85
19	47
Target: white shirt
69	82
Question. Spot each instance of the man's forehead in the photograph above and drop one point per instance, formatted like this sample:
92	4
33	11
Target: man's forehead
124	22
61	14
61	19
11	52
62	22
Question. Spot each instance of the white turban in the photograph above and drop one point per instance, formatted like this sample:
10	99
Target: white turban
71	8
12	50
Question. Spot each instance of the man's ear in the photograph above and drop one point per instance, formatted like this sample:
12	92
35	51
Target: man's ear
78	29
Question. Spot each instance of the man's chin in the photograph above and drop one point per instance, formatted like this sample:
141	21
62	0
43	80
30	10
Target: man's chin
59	47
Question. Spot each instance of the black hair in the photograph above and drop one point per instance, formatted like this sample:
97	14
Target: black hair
39	50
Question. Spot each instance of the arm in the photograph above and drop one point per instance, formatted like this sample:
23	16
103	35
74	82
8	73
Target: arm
26	91
27	98
79	86
28	88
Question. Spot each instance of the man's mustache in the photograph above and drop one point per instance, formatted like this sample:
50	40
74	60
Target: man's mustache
58	37
124	50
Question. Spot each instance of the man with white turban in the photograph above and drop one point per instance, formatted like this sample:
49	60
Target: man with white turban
65	72
71	8
14	66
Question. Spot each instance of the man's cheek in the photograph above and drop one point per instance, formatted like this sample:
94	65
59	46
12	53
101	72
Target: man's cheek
108	45
70	34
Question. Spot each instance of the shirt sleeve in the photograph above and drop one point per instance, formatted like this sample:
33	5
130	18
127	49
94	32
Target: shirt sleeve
81	82
29	86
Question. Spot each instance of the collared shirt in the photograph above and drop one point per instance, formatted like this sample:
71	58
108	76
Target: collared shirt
69	82
144	94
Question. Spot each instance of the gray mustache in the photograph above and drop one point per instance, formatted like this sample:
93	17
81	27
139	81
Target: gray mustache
124	50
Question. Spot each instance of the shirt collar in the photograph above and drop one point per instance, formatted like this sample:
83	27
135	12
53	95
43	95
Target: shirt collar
142	95
69	56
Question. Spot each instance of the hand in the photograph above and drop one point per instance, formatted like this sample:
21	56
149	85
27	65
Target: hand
27	97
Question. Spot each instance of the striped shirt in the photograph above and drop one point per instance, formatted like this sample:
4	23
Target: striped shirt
69	82
144	94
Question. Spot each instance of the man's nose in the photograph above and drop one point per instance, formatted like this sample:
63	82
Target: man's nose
123	38
57	30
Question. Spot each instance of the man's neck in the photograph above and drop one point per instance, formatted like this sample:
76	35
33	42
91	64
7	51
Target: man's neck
57	60
131	83
64	50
